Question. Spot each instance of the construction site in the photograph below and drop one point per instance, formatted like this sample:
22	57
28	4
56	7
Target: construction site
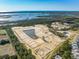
38	38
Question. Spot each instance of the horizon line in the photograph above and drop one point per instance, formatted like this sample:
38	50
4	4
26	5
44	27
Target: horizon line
39	11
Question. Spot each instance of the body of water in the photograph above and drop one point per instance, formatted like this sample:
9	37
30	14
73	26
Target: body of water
17	16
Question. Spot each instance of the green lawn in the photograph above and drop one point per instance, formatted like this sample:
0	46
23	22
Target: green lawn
2	32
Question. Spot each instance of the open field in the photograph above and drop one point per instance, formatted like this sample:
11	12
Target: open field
6	50
2	32
5	45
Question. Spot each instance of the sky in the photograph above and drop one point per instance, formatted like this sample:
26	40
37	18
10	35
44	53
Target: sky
39	5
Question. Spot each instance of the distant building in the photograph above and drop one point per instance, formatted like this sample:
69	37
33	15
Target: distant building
64	33
58	57
59	26
75	48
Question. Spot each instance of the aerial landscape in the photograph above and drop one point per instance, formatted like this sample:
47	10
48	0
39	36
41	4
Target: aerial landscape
34	29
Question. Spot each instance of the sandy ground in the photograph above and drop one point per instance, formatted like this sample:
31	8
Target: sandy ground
39	46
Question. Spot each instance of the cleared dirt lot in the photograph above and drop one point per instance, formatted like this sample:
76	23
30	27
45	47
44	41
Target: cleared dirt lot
45	42
6	50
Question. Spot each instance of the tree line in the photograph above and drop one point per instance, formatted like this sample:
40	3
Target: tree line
21	50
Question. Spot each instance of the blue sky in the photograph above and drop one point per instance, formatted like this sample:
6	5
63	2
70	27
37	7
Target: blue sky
56	5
